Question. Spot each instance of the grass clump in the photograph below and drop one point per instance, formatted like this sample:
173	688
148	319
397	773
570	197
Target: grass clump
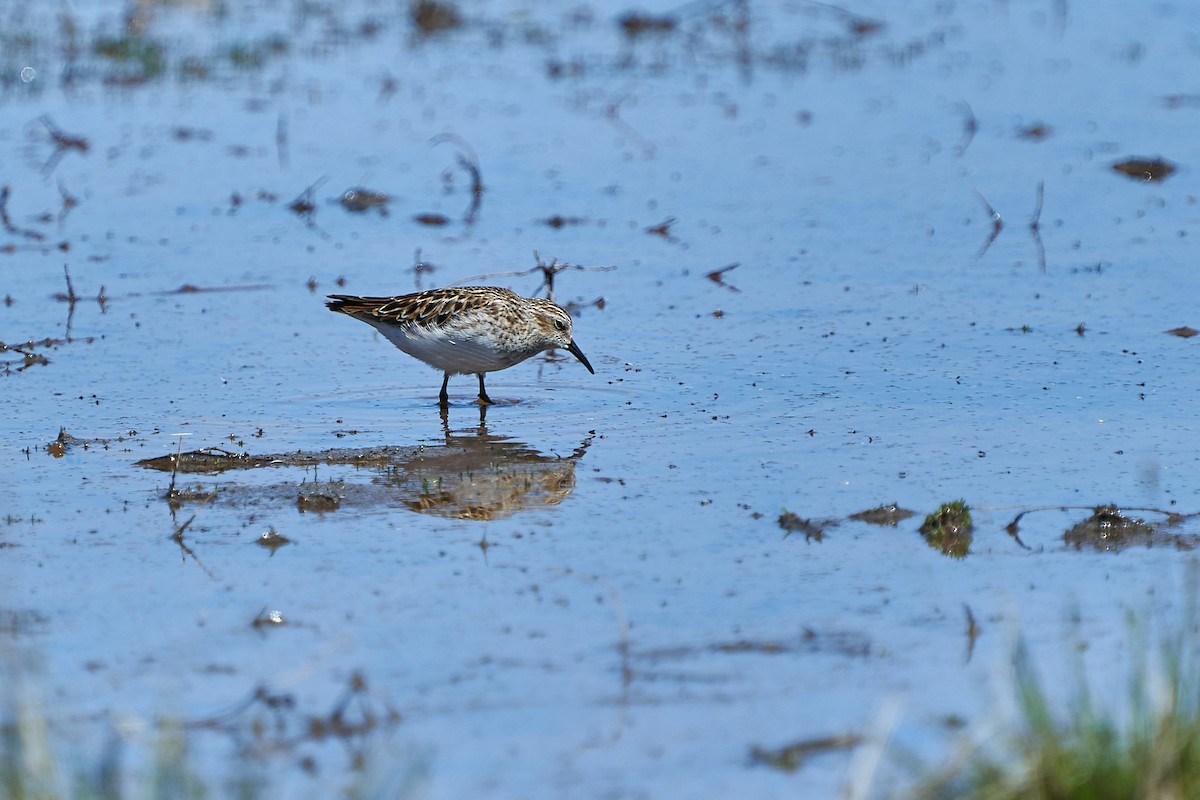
33	767
140	59
950	529
1152	752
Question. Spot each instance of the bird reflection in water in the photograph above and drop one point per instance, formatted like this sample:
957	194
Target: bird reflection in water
478	475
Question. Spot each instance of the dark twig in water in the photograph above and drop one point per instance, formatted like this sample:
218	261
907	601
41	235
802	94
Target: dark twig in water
62	143
468	161
189	288
351	719
717	276
70	296
178	534
420	267
741	35
472	167
177	538
973	631
558	221
70	299
997	225
970	128
1035	226
388	85
171	493
28	358
1060	16
11	248
305	206
69	202
281	140
858	24
663	229
5	220
612	112
1014	529
549	271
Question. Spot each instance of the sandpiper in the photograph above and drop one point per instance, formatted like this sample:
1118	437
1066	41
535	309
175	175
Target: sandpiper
471	329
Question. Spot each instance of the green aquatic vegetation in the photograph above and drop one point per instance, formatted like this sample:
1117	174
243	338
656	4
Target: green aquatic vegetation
950	529
1090	752
36	765
145	57
47	756
254	55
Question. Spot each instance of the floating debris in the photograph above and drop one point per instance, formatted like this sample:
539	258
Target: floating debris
214	459
196	494
272	540
890	514
1034	132
1184	332
791	757
842	643
558	221
359	200
305	204
268	619
1182	101
1108	529
794	524
1143	169
65	441
433	220
635	24
320	502
431	17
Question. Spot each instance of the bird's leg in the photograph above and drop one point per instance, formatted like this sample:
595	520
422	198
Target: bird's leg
444	397
483	398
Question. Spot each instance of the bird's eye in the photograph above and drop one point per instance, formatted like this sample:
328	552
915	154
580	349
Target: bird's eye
558	323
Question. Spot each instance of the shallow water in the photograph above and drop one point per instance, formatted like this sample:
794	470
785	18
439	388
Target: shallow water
586	591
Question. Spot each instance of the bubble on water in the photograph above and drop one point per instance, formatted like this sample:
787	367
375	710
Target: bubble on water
28	74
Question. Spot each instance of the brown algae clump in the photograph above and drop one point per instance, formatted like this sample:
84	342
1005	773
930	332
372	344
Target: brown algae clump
793	523
888	514
950	529
1109	529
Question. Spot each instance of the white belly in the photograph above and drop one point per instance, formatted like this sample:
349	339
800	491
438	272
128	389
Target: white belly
456	354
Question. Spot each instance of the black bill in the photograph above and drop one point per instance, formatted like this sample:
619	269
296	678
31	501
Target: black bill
574	350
